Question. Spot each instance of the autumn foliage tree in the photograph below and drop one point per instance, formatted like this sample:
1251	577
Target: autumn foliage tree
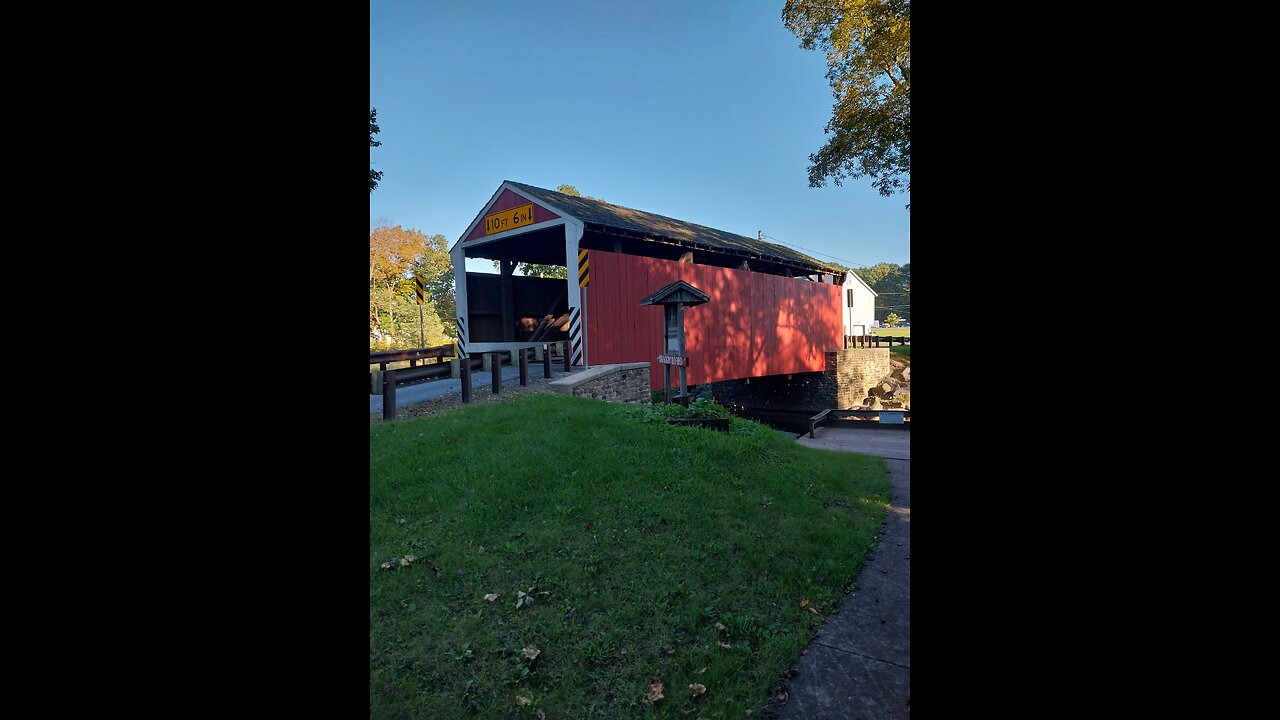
868	47
396	256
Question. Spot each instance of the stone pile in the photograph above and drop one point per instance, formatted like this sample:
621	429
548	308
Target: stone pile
893	390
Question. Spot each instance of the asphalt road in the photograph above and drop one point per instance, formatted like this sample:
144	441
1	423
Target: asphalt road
440	387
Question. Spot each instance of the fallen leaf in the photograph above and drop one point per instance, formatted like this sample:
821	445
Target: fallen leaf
655	690
532	653
815	612
726	646
491	597
790	672
701	671
720	626
540	715
669	648
783	697
804	602
697	689
524	699
407	560
400	521
481	552
389	565
689	712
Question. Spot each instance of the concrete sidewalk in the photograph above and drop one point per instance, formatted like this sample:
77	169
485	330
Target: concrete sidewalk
859	664
885	442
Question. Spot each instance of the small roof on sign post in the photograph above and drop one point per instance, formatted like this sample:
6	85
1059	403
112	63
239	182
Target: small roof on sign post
677	293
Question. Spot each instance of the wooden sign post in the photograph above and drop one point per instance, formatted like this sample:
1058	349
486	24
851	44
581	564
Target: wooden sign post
674	298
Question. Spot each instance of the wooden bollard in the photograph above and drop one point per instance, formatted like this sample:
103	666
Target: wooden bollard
495	366
524	367
464	374
389	395
546	361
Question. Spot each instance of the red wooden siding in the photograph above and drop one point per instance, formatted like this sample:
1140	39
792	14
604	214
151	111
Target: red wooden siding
506	201
754	325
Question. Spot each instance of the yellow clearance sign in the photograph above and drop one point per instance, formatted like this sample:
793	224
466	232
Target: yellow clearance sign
508	219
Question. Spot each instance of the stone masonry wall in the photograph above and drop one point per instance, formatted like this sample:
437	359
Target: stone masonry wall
854	371
849	375
624	383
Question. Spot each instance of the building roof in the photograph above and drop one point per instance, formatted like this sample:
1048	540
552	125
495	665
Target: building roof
678	292
603	216
856	276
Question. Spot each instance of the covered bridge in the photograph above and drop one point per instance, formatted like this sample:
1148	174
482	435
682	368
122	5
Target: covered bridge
772	310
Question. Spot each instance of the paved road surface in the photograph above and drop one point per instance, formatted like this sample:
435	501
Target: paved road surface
439	387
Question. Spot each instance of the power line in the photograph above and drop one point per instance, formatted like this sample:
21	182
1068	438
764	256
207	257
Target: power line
833	257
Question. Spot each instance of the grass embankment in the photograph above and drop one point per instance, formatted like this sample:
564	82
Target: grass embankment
649	551
902	351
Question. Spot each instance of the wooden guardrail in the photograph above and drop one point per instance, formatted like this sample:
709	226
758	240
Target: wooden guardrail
827	416
386	381
817	420
414	373
867	340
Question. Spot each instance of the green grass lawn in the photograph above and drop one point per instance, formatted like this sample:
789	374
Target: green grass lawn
892	332
650	551
902	351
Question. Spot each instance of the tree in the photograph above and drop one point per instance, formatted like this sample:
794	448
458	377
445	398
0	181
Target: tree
374	175
435	267
875	273
868	47
545	271
891	319
396	254
571	190
892	284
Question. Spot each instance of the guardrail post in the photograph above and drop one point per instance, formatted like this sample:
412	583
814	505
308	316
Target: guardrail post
537	353
454	368
389	395
464	374
567	357
486	362
524	367
495	366
546	361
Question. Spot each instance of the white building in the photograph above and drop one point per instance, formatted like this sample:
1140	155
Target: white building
858	301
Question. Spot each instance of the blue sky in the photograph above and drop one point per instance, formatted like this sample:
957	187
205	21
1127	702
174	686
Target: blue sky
701	110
